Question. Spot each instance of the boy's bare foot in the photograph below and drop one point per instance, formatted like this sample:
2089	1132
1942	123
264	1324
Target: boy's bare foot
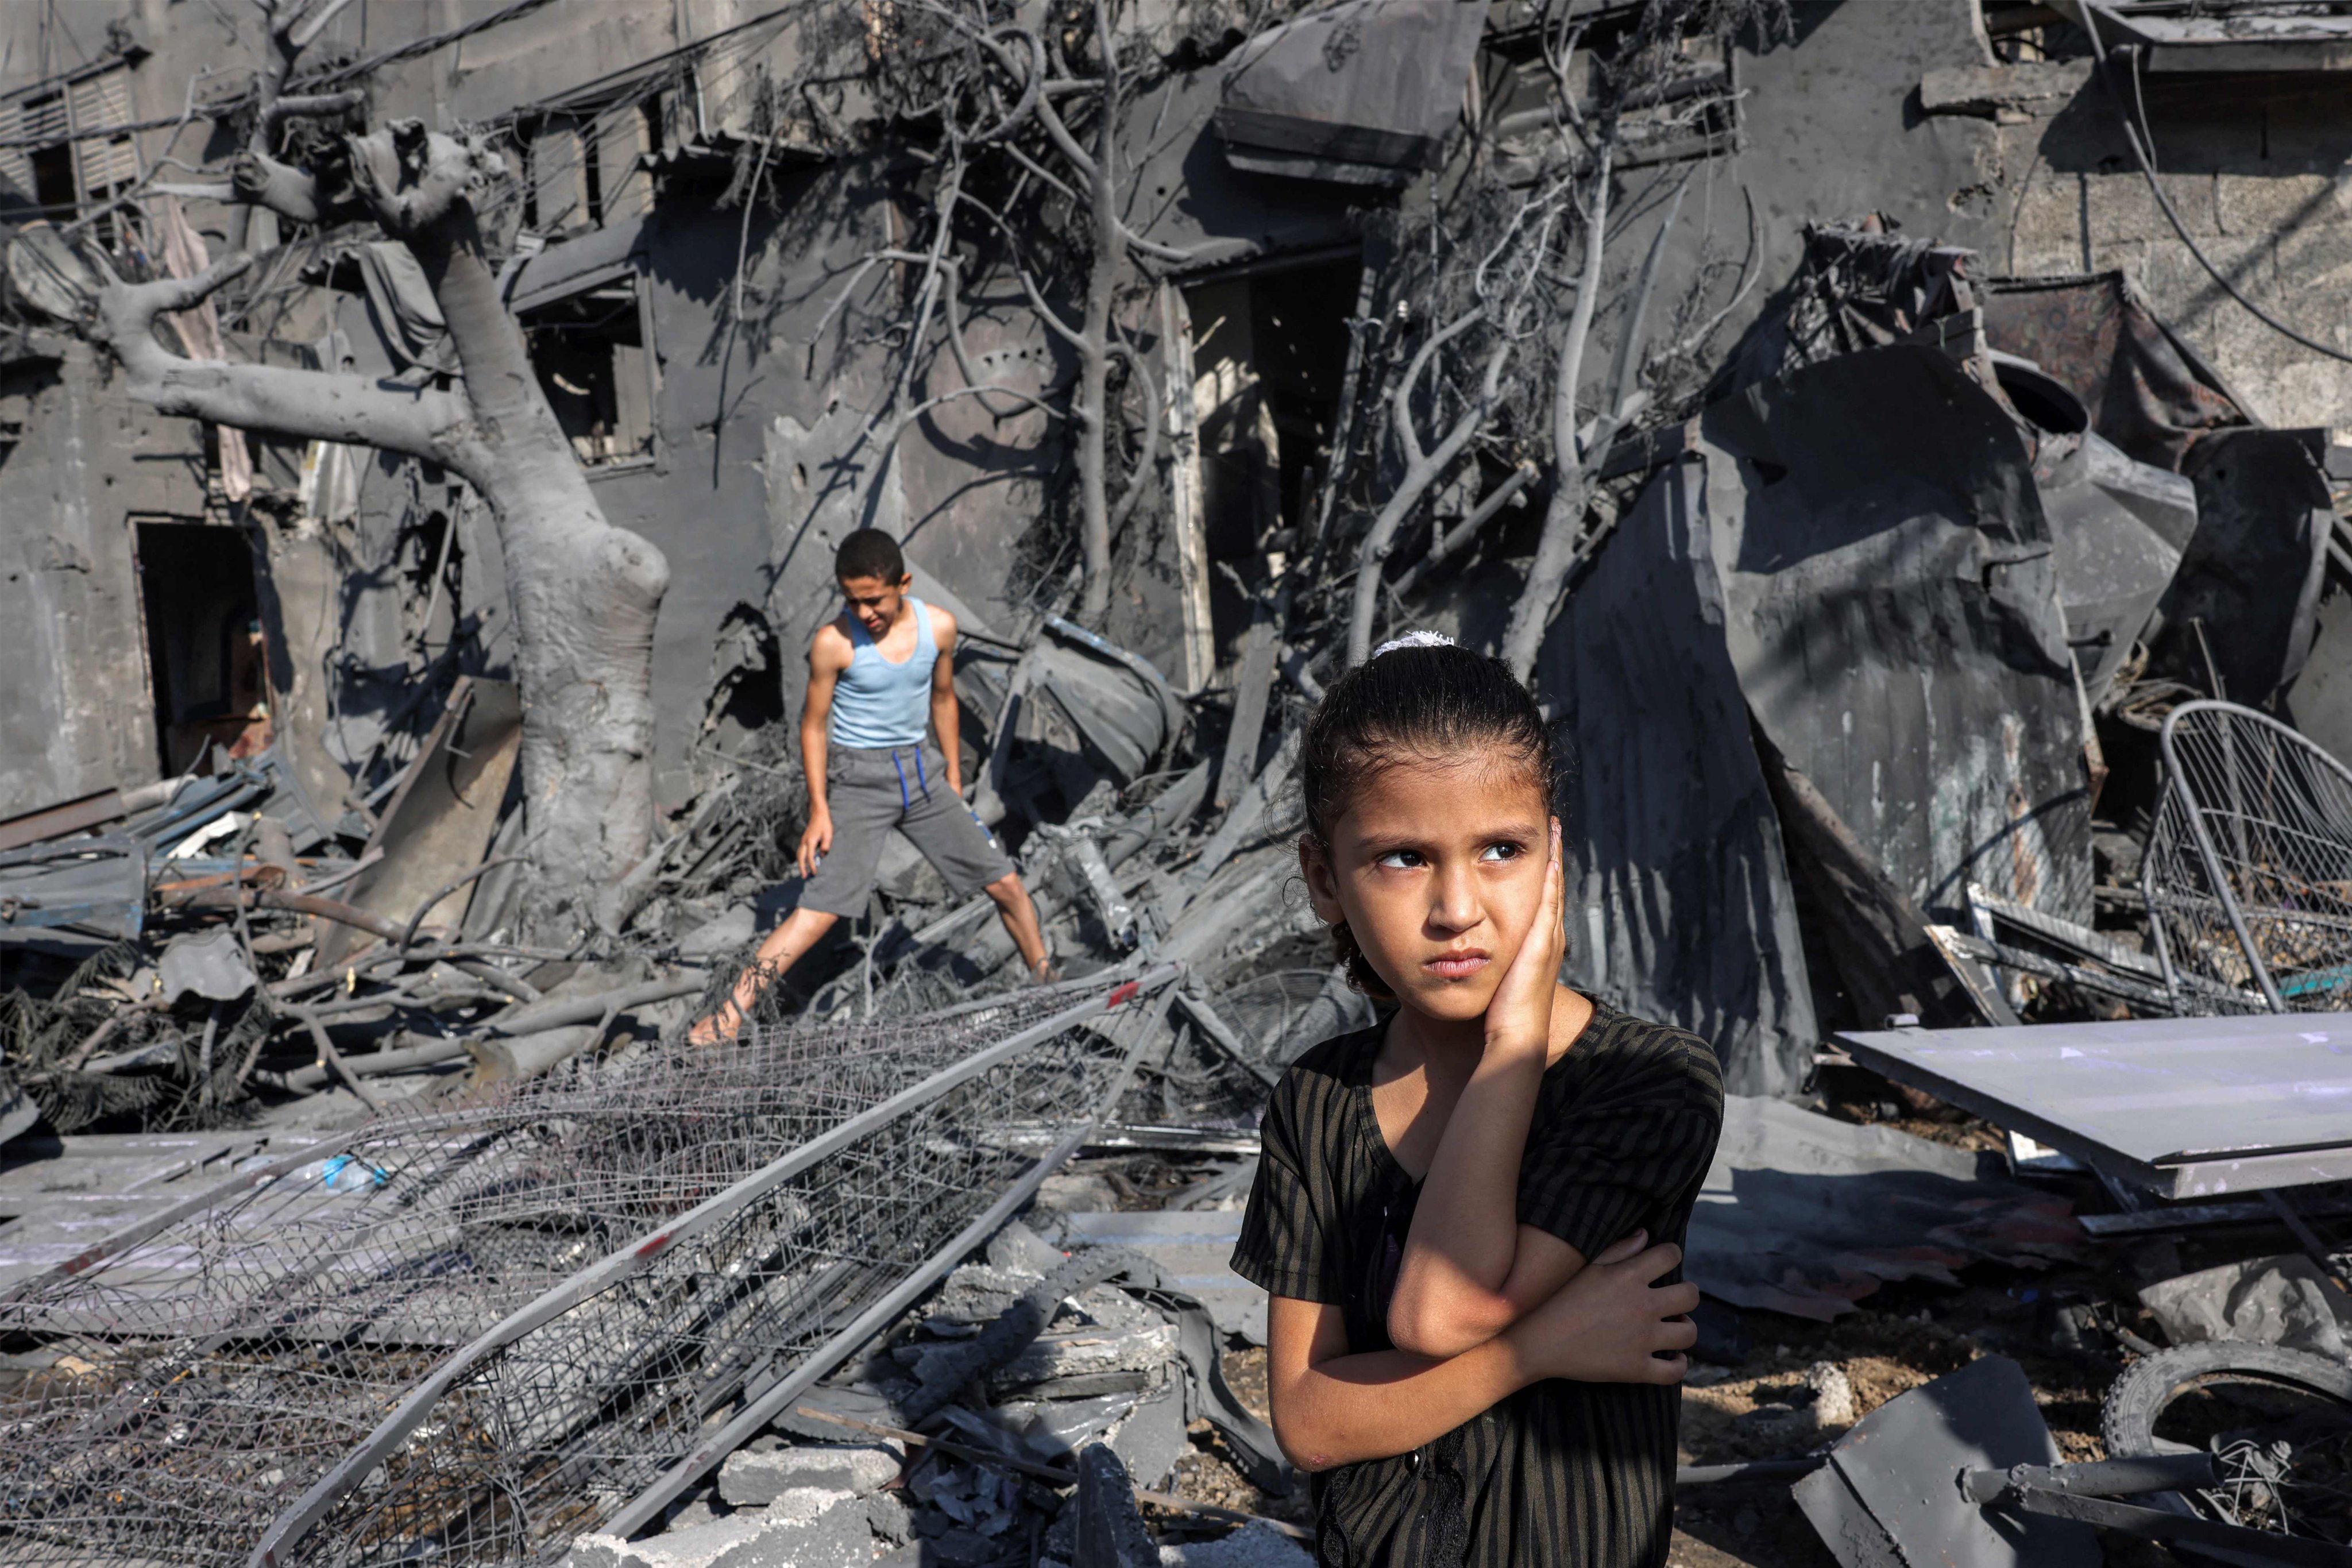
718	1028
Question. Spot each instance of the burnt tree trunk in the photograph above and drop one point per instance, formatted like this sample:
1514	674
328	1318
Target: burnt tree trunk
583	593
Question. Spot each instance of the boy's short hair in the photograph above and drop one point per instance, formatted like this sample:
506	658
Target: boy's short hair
869	552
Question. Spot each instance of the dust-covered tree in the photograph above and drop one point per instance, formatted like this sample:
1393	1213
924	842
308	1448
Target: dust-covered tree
1644	73
1512	285
583	593
1020	115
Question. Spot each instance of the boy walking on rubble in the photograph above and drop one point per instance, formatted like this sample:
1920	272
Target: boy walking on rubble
875	672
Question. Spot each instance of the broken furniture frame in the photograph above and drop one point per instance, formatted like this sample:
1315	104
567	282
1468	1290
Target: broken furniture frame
2249	864
2086	1493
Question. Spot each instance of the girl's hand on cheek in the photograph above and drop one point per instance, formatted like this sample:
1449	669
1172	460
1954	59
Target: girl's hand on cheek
1518	1019
1610	1323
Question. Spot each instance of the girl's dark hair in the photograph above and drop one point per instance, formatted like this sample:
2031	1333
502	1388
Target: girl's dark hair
1413	704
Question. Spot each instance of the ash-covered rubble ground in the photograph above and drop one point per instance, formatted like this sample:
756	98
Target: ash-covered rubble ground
1015	1367
2051	808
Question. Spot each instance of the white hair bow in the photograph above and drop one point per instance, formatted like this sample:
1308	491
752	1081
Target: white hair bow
1414	639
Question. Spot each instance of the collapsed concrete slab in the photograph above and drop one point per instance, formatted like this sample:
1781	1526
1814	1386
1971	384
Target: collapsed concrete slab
803	1527
755	1478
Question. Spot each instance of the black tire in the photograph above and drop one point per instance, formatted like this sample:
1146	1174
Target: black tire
2138	1402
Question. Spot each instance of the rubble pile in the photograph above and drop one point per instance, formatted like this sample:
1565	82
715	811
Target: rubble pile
1953	670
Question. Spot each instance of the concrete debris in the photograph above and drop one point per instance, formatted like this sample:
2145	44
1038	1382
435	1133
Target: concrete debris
2286	1300
805	1527
1947	609
1253	1545
755	1477
1088	1351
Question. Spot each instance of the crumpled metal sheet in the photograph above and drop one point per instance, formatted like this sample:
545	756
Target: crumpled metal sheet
1806	1215
97	887
1887	1495
438	823
1123	706
2145	388
1857	289
1686	912
1363	92
2119	527
2249	583
1893	613
211	966
2250	574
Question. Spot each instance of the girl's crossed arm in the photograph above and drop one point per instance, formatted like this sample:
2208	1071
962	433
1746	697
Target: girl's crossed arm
1604	1326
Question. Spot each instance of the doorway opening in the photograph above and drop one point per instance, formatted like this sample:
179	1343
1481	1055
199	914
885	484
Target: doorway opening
1269	349
205	656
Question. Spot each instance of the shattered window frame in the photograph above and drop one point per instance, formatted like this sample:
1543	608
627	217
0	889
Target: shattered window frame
96	170
633	443
1519	92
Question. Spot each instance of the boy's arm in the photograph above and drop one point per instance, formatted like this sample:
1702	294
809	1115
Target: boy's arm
829	655
1607	1325
946	720
1470	1270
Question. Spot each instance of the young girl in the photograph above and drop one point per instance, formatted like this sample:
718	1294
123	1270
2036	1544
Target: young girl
1465	1215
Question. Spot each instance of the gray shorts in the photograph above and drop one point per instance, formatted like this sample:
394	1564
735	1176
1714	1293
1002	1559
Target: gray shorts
870	791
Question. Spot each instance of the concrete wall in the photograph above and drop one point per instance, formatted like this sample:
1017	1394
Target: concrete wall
755	422
78	717
2259	169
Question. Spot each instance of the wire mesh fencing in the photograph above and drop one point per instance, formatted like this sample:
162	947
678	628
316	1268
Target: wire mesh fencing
2248	874
466	1337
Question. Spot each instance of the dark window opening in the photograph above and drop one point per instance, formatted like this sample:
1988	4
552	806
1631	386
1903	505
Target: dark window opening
204	642
590	353
592	175
53	182
523	154
1269	350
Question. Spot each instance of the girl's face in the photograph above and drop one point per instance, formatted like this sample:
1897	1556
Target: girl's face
1438	869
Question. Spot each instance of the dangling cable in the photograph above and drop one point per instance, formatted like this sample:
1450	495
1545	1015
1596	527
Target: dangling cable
2134	134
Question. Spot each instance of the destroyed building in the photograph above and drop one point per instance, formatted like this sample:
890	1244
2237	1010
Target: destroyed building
1906	445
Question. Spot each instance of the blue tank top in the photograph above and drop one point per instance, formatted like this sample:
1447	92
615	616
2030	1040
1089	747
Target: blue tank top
877	703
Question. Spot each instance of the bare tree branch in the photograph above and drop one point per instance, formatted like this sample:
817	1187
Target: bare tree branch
263	182
1531	615
1422	470
306	405
313	106
1463	533
1147	460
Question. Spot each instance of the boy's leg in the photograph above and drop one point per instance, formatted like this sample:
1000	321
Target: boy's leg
866	803
1019	917
802	929
969	856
